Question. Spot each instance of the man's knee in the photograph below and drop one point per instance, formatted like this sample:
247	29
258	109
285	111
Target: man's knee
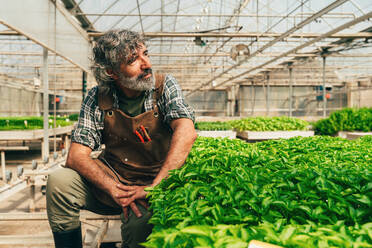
64	196
61	178
65	184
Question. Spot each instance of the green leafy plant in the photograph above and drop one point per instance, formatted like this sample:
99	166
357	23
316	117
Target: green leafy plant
282	123
216	125
300	192
348	119
73	117
29	122
256	124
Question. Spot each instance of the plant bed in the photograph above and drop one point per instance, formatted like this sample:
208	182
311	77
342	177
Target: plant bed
217	134
342	134
352	135
262	124
32	122
266	128
268	135
33	134
356	135
216	129
298	192
255	128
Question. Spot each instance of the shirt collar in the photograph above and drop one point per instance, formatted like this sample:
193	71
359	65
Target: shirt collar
148	93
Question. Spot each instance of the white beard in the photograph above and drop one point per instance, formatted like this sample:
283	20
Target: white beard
135	83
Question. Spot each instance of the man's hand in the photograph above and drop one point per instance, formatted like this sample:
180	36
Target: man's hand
130	193
128	196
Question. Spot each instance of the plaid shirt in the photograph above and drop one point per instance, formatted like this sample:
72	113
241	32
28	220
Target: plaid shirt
90	125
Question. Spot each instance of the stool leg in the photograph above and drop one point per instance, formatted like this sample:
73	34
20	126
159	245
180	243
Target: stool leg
3	165
32	199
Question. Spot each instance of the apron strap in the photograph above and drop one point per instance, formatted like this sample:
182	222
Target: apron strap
159	85
105	98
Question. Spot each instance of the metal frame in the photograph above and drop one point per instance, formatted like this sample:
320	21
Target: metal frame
9	21
266	37
294	50
277	39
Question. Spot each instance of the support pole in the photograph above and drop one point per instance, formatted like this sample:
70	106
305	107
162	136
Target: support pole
3	166
237	103
228	103
84	84
32	199
253	97
349	87
290	97
324	89
267	94
45	149
233	99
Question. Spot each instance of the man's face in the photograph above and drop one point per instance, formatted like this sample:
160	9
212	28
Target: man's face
136	74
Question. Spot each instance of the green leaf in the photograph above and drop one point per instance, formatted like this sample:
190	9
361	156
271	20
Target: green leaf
363	199
196	230
301	238
287	233
236	244
203	242
306	209
266	202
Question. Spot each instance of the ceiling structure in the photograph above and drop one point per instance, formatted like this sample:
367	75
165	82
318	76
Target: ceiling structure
213	44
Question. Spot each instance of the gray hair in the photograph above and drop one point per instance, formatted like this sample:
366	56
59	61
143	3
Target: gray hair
111	50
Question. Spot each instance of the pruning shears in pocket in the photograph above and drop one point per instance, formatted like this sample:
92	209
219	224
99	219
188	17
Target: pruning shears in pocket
142	134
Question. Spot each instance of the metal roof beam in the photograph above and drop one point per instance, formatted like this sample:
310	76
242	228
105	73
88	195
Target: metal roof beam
294	50
233	35
342	15
75	10
243	35
280	38
50	25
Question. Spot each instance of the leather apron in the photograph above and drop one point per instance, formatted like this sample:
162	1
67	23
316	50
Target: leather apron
126	158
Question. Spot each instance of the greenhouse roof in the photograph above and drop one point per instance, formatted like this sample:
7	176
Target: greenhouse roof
213	44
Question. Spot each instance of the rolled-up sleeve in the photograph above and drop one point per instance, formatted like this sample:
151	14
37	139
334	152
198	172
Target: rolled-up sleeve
89	127
173	102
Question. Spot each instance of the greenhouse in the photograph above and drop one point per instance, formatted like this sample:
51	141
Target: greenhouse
208	123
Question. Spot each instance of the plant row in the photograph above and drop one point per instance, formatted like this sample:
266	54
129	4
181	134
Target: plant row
213	125
283	123
300	192
31	122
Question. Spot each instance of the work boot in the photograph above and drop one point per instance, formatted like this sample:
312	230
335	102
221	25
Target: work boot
68	239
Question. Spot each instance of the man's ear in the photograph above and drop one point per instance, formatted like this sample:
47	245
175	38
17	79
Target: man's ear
112	73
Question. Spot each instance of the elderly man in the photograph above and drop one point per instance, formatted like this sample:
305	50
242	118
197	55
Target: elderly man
147	128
